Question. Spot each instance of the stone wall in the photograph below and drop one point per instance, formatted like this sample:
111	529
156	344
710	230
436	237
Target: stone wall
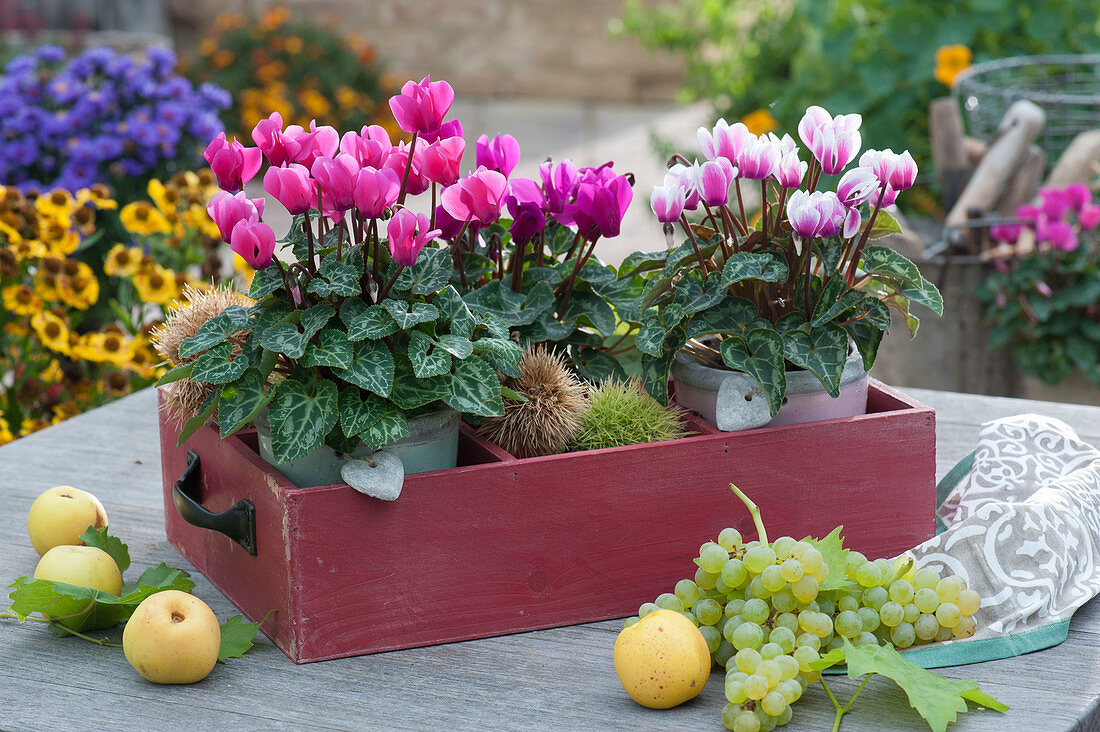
529	48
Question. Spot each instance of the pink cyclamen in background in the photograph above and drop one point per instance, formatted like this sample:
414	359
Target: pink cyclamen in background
397	161
501	153
370	146
229	209
255	242
276	147
316	142
1089	216
441	159
558	183
407	234
421	107
292	187
233	164
336	179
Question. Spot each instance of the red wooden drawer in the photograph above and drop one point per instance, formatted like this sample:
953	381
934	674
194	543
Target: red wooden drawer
500	545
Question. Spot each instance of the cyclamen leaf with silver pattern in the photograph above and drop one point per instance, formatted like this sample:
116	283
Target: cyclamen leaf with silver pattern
763	266
335	278
333	349
231	320
428	359
431	271
366	321
410	392
242	401
371	367
264	282
502	354
472	389
759	353
372	419
822	351
409	314
732	315
301	417
697	293
655	328
218	365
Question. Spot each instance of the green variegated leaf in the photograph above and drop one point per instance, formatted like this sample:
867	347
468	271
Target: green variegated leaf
759	353
763	266
884	224
872	310
427	357
683	256
410	392
514	308
547	328
656	372
642	262
335	278
179	372
696	293
284	338
370	418
833	304
242	401
366	321
371	367
390	426
332	349
822	351
271	314
301	416
265	281
502	354
456	345
588	308
924	293
867	339
882	260
431	272
732	315
655	290
218	366
315	318
595	365
409	314
474	388
655	328
231	320
452	308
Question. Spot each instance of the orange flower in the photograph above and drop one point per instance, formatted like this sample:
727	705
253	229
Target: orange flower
274	18
760	122
950	60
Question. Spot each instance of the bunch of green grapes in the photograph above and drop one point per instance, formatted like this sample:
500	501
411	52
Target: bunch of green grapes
765	620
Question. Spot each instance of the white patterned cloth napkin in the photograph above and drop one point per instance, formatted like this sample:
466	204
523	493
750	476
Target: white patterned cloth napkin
1023	529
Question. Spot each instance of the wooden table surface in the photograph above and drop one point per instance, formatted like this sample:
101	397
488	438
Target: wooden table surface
558	679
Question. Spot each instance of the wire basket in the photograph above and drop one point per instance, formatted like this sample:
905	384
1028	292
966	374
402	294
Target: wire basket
1066	87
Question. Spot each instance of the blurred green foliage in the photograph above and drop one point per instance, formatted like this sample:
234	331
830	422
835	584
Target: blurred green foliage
875	57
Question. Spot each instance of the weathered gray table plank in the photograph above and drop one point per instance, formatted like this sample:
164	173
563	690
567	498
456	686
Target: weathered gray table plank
554	679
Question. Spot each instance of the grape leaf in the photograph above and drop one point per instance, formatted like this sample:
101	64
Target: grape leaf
935	698
100	539
81	608
836	559
237	637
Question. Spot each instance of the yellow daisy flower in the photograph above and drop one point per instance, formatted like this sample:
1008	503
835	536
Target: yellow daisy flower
116	383
950	61
16	328
5	432
57	204
81	348
10	233
21	300
52	331
122	261
64	411
156	285
112	347
83	218
80	291
142	218
52	373
48	286
143	359
164	198
28	425
99	195
760	122
196	217
29	249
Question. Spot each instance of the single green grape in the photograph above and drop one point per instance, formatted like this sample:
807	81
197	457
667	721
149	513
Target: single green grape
784	637
848	623
886	570
792	570
891	613
867	574
687	591
705	580
724	653
747	659
865	638
925	578
847	602
808	639
647	608
707	610
901	591
757	589
755	610
734	573
690	616
943	634
711	636
875	597
773	703
630	621
758	557
770	650
926	600
790	689
772	577
733	607
748	635
926	627
912	612
669	601
735	692
805	589
756	686
771	671
869	617
784	600
969	602
745	721
965	627
787	620
948	614
853	560
784	718
811	560
788	665
783	546
729	539
903	635
949	588
805	656
826	605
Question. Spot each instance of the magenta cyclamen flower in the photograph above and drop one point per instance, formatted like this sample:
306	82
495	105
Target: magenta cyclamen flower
255	242
790	170
1007	233
818	214
1089	217
477	197
667	203
450	128
420	108
833	141
899	171
600	204
316	142
375	190
1059	233
857	186
229	209
558	183
724	141
336	178
292	187
233	163
527	205
408	233
268	136
398	160
759	159
440	160
500	153
686	178
371	146
715	177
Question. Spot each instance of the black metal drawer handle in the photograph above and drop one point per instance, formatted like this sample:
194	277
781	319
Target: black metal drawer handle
238	522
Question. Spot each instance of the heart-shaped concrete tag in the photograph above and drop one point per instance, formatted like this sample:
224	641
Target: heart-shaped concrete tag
382	480
741	404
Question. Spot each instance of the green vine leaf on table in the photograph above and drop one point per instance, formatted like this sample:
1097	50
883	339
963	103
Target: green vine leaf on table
100	539
237	636
81	608
935	698
836	558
